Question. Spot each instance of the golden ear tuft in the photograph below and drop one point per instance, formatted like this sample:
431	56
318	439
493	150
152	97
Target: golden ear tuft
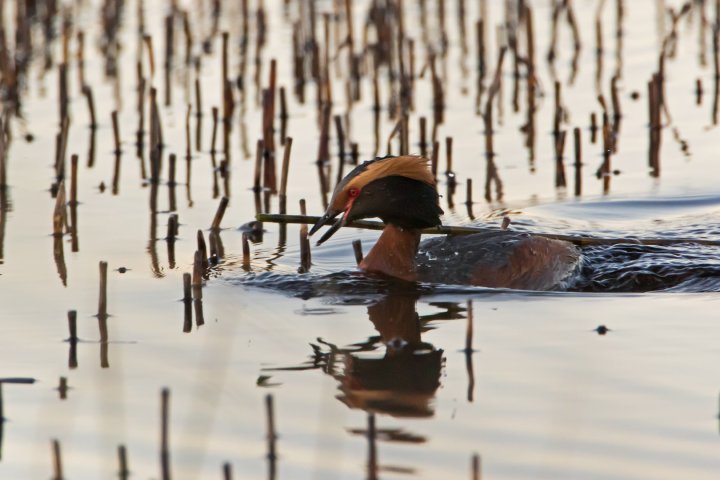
410	166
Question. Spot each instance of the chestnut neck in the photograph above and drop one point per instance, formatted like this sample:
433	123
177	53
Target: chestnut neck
394	253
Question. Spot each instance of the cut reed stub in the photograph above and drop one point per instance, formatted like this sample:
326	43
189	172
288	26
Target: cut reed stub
124	471
57	461
357	249
102	299
187	282
72	326
219	213
116	131
165	433
197	276
245	251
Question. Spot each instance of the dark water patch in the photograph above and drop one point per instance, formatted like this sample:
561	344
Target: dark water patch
684	268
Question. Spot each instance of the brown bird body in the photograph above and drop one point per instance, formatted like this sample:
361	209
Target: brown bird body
401	191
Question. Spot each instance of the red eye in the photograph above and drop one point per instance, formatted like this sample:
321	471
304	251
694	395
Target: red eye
353	192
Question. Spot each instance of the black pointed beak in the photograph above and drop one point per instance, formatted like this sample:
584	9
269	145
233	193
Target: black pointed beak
324	220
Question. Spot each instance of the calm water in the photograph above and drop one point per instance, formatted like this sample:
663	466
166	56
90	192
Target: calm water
540	395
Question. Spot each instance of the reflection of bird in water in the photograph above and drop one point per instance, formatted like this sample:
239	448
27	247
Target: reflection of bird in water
403	380
401	191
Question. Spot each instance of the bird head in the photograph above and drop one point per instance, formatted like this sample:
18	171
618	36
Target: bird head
398	190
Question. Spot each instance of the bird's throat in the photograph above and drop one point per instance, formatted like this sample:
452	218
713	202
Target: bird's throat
394	253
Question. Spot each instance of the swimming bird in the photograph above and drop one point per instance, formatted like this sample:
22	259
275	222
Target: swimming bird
402	192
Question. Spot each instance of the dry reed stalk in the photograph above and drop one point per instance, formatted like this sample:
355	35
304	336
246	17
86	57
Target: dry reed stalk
423	137
164	434
3	158
283	116
80	58
214	130
202	249
434	159
63	388
102	298
488	113
197	274
72	326
372	466
593	127
560	180
116	131
63	91
57	461
60	211
476	467
169	55
271	434
287	149
449	173
172	161
468	230
354	153
187	295
341	147
198	115
147	39
87	92
188	147
305	252
73	180
245	251
219	213
654	102
227	471
257	187
172	228
357	249
578	162
468	192
124	471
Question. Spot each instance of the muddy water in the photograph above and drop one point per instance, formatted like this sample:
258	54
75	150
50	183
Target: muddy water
540	395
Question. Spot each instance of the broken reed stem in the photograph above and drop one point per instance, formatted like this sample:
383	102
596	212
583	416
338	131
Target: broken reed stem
164	434
560	180
245	251
202	248
197	270
257	187
469	230
476	465
187	287
73	179
214	130
449	173
287	149
227	471
341	147
172	161
219	214
57	461
488	113
172	227
102	301
116	131
357	249
270	421
124	472
469	329
468	192
578	161
305	254
72	327
87	91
